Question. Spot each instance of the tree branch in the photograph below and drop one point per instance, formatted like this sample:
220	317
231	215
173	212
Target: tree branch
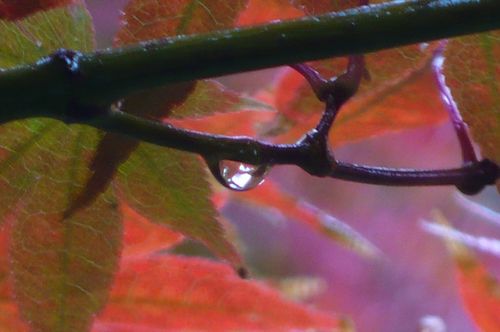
106	76
80	88
303	154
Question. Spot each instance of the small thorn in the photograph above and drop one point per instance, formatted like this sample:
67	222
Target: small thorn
242	272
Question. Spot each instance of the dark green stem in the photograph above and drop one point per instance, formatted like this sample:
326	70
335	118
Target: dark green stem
111	74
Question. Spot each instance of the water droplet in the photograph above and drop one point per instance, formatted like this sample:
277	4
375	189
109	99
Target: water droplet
236	175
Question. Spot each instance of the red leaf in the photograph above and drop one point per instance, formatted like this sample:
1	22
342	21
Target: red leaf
317	7
10	319
479	289
164	292
262	11
412	102
143	237
480	292
18	9
153	19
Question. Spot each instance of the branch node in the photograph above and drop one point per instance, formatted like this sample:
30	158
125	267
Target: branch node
318	160
487	173
68	63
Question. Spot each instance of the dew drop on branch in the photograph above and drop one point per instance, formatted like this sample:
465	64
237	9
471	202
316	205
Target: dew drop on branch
236	175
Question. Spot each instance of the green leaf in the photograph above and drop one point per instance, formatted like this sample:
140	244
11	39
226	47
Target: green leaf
28	40
169	188
472	70
62	267
25	41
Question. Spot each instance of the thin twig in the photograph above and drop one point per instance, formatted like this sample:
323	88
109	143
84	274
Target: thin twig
460	127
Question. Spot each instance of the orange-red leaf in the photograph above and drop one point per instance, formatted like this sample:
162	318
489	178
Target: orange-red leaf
409	101
179	293
263	11
480	292
153	19
316	7
479	289
17	9
143	237
9	313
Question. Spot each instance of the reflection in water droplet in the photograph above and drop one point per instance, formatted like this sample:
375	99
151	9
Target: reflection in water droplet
238	176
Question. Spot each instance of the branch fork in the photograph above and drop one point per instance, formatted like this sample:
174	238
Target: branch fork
80	88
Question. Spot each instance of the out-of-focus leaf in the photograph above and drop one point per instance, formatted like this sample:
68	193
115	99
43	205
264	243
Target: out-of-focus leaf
169	187
480	290
268	195
142	237
481	243
472	69
410	101
18	9
163	292
481	211
301	288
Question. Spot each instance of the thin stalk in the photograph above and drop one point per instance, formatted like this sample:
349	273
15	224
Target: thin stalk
248	150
